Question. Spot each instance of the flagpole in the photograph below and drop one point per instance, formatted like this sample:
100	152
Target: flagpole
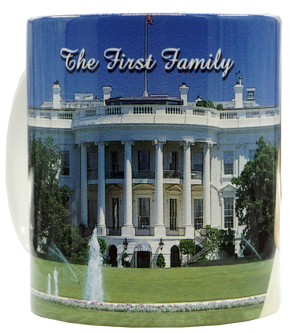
145	94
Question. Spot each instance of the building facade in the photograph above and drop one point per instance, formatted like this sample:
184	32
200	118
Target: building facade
149	171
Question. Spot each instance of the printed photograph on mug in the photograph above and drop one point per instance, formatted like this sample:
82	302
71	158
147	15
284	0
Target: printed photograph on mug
160	141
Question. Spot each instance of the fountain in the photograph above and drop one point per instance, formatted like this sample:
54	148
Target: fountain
59	254
49	284
94	290
55	277
250	245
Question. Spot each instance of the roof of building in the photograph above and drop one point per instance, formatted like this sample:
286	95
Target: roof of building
152	100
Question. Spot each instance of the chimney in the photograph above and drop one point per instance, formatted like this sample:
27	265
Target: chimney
184	93
56	98
106	93
238	94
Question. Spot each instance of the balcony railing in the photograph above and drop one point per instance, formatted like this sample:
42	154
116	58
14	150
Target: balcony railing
142	110
113	231
92	174
169	174
179	231
145	231
49	114
193	115
144	228
197	175
154	109
114	174
143	174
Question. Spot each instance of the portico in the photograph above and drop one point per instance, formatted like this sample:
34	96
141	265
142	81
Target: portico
152	186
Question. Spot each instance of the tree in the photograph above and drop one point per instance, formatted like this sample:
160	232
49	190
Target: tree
205	103
72	244
187	247
255	197
228	244
51	214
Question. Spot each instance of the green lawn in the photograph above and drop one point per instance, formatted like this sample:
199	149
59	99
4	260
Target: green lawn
155	286
143	319
160	285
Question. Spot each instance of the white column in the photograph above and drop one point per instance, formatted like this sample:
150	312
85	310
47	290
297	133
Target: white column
241	159
159	228
187	190
101	226
127	229
83	184
206	185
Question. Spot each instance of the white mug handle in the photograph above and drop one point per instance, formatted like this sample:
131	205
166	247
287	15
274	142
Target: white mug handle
17	184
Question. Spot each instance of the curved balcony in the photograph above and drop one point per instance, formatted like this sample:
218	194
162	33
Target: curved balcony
158	114
188	115
92	174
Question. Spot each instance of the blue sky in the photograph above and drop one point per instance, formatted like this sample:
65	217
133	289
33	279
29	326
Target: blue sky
252	42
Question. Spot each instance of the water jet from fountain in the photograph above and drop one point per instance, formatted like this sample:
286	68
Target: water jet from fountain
59	254
55	277
49	284
94	287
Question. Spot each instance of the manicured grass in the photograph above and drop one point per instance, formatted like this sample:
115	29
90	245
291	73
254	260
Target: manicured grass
143	319
161	285
67	285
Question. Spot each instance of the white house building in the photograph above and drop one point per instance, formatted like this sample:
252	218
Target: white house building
149	171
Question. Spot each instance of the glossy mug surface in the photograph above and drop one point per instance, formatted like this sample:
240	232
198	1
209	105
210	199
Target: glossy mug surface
154	151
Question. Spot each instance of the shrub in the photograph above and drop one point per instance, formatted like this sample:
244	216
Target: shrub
160	261
73	243
103	245
218	242
125	259
187	247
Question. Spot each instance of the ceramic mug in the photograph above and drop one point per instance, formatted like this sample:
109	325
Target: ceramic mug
154	162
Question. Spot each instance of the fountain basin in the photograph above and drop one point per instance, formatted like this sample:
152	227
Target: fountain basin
153	307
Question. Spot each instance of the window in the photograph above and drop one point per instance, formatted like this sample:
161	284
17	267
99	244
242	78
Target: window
251	95
228	212
228	163
197	161
115	213
144	213
92	213
144	160
115	160
198	213
197	165
173	213
65	161
173	160
92	166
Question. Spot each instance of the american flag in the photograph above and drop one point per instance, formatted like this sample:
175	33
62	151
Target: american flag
149	19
